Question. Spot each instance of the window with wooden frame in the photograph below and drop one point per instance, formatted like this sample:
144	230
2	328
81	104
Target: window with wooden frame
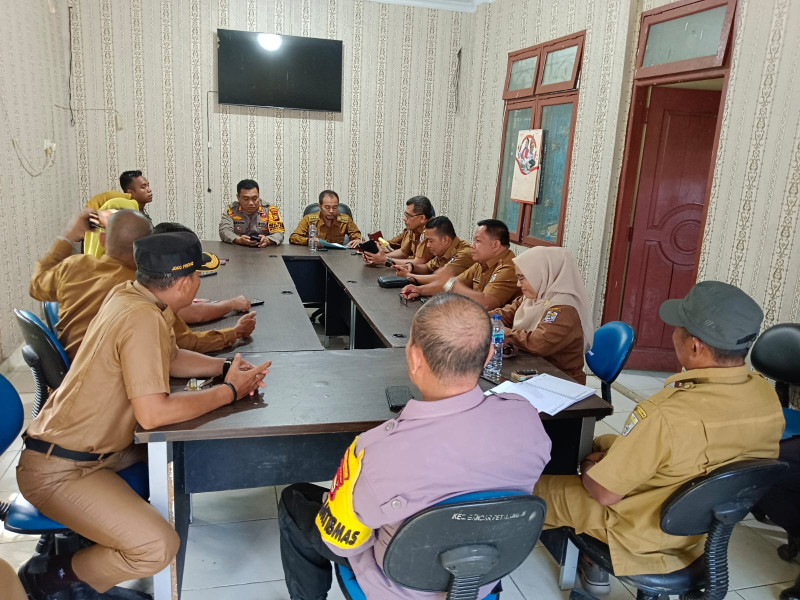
541	92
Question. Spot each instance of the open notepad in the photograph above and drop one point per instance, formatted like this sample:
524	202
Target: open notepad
548	394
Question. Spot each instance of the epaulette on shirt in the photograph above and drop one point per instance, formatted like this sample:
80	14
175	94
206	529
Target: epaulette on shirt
343	219
313	216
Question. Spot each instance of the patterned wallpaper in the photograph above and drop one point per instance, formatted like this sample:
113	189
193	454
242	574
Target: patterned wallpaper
33	210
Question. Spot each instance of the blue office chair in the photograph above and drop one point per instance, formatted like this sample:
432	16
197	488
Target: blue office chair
612	345
711	504
445	548
44	354
20	516
343	209
50	314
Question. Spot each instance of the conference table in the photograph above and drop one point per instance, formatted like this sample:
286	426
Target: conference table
316	401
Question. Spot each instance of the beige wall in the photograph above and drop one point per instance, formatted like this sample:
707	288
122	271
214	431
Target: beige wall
33	77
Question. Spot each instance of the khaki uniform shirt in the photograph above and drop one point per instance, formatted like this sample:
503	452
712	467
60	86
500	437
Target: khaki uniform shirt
128	349
457	259
414	245
334	234
80	283
711	417
265	221
558	338
498	279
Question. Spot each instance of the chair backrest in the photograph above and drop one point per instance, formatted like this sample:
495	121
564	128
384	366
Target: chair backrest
11	414
465	542
776	353
50	314
725	495
610	350
45	344
343	209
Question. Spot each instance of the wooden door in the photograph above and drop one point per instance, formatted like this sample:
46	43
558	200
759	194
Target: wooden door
666	229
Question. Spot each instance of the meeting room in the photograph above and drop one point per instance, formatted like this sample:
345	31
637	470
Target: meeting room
399	300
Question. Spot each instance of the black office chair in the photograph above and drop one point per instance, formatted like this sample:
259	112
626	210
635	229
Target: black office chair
460	544
711	504
44	354
343	209
776	354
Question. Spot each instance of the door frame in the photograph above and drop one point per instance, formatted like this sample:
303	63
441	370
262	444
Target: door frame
622	231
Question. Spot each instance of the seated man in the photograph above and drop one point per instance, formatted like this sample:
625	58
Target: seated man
452	441
716	412
84	433
412	242
248	217
490	281
80	283
136	184
331	226
449	252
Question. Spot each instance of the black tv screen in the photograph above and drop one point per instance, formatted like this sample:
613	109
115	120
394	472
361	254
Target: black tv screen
282	71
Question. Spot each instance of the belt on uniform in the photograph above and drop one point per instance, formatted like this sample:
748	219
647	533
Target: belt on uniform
56	450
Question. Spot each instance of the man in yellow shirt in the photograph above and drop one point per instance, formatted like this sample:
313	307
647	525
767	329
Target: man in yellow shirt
331	226
448	250
412	244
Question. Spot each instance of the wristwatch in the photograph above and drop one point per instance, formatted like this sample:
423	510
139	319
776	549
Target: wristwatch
226	366
450	283
389	262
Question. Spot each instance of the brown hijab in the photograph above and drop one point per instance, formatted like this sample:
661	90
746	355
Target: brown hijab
553	273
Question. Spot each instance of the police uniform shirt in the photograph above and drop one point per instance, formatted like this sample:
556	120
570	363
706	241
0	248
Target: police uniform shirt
80	283
126	354
558	338
457	259
710	417
414	245
498	279
342	225
264	221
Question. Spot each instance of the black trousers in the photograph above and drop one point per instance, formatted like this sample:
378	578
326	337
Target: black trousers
781	501
306	559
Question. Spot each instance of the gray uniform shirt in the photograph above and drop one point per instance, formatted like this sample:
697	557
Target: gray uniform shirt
264	221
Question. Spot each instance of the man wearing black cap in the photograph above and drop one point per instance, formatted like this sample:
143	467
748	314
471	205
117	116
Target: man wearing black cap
715	412
84	433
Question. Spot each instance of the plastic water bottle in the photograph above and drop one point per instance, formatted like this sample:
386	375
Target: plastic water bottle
492	370
312	237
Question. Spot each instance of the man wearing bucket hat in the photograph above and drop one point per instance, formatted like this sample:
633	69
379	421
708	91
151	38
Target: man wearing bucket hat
84	433
715	412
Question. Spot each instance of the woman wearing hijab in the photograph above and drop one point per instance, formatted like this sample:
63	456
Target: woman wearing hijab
552	318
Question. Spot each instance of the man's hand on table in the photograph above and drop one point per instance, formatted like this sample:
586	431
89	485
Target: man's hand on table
354	243
245	325
246	377
409	292
404	270
240	303
377	259
264	241
244	240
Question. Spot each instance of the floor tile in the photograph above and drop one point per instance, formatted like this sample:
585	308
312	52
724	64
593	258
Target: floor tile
511	591
231	554
268	590
621	402
634	380
22	381
753	561
17	553
8	481
616	421
766	592
234	505
773	534
593	382
537	578
602	428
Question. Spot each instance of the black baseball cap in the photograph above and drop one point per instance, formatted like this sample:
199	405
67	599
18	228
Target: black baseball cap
177	254
719	314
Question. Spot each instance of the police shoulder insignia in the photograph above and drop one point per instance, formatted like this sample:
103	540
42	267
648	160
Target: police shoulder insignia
313	217
237	218
630	423
640	411
343	218
229	212
551	315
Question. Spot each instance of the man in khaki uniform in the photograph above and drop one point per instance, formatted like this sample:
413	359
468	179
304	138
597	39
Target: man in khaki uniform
412	246
248	217
331	226
80	283
716	412
449	252
84	433
490	281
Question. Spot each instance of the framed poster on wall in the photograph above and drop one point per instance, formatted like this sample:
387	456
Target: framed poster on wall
528	157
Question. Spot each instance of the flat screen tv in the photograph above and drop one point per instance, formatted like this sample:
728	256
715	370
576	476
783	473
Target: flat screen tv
282	71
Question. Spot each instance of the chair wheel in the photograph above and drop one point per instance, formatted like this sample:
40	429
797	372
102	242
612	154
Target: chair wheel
787	552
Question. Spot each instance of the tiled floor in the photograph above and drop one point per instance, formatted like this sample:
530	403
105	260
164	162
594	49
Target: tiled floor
233	551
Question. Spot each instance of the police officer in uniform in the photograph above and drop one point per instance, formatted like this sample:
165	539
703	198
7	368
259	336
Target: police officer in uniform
248	217
84	433
331	226
715	412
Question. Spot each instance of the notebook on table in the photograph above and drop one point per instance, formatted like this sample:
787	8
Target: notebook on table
546	393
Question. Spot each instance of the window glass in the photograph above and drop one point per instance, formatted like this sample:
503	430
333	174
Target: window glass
558	65
522	73
508	211
690	36
556	122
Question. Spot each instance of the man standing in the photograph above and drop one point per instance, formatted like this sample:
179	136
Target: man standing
247	223
412	241
84	433
448	250
136	184
331	226
452	441
714	413
491	281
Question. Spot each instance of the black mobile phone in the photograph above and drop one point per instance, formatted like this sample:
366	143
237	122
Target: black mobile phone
94	222
370	246
398	396
255	302
254	238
